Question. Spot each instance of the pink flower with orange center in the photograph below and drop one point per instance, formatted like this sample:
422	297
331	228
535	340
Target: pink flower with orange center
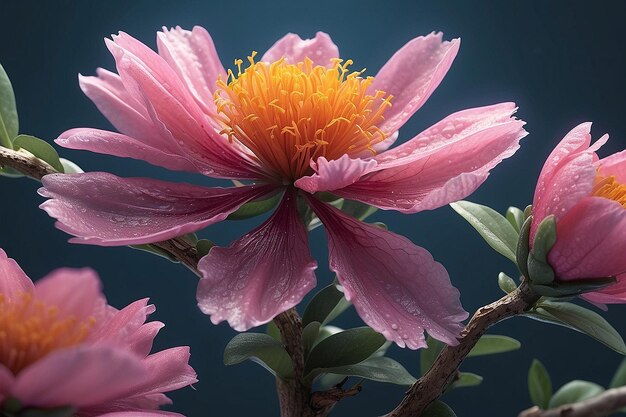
587	196
296	122
62	345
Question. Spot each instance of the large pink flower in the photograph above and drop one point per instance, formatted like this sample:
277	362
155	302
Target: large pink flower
62	345
296	122
587	196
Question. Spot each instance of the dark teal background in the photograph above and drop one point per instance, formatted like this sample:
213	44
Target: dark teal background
563	62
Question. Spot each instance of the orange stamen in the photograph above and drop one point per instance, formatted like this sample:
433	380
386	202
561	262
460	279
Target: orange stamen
288	114
608	187
30	329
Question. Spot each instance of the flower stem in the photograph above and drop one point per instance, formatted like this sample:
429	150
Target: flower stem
430	386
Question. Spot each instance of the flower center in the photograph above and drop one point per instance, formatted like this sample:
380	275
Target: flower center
288	114
608	187
30	329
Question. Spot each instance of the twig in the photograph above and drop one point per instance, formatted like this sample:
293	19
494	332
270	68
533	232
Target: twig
601	405
25	163
430	387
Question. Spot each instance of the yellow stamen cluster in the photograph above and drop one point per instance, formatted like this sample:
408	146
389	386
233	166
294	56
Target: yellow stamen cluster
287	114
30	329
608	187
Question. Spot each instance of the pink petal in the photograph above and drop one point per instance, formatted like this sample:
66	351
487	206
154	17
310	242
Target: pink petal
116	144
82	377
321	49
567	176
335	174
121	108
614	165
412	74
445	163
102	209
615	294
75	292
193	56
169	370
264	273
396	287
141	413
174	111
590	240
13	280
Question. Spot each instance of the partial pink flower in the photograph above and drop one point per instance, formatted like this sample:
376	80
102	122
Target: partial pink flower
587	197
297	122
62	345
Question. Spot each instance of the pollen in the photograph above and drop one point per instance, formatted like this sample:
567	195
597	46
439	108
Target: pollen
289	114
30	329
608	187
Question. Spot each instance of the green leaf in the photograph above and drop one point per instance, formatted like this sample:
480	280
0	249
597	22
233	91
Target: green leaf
345	348
585	321
619	379
357	209
491	344
539	272
491	225
70	167
515	216
572	288
379	369
155	250
438	409
539	384
506	283
545	238
262	349
272	330
465	379
9	125
203	246
428	355
523	247
573	392
309	335
41	149
10	172
327	304
255	208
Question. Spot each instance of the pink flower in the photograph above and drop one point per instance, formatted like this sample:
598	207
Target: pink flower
61	345
296	122
587	196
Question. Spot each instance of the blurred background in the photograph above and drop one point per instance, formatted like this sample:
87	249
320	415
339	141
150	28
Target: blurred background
562	62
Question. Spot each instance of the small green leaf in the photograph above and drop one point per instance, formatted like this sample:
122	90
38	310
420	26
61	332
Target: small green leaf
70	167
357	209
528	211
327	304
379	369
345	348
619	379
545	238
155	250
255	208
522	249
515	216
9	125
438	409
272	330
262	349
572	288
41	149
573	392
465	379
309	335
539	384
583	320
506	283
539	272
203	246
10	172
491	225
428	355
491	344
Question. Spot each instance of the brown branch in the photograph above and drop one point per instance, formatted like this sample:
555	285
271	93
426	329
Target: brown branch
25	163
601	405
430	387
